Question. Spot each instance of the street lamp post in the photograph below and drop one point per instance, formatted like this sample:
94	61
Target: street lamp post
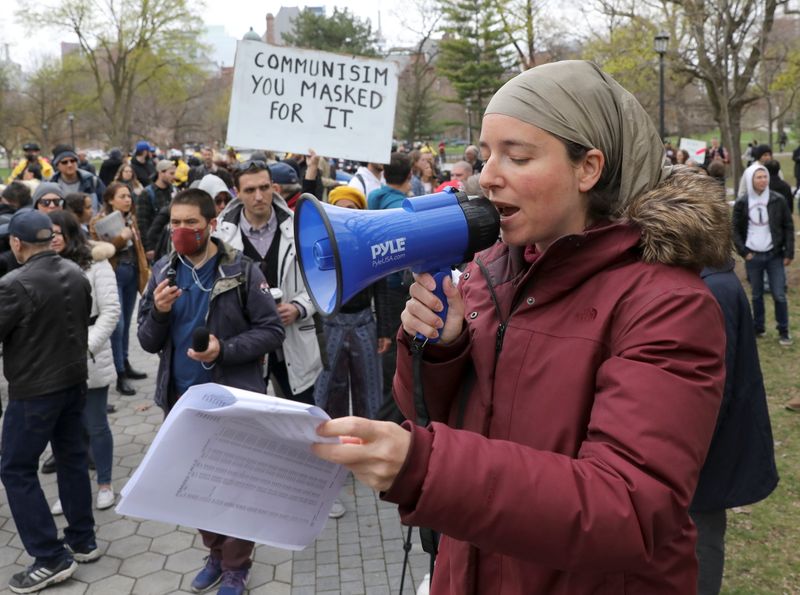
660	43
468	103
71	118
45	140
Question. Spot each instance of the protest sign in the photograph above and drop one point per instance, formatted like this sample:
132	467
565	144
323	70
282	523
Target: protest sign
292	99
695	148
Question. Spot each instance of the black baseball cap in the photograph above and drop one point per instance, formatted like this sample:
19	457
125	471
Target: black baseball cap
31	226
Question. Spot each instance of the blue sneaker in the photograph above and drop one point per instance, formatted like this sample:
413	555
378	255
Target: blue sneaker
209	576
233	582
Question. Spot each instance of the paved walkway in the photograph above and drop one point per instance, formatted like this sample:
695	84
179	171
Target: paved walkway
359	553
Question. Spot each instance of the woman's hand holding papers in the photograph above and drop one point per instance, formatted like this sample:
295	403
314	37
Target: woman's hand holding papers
373	450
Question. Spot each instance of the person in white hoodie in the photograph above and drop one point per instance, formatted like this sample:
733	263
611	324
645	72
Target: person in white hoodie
70	242
218	191
260	224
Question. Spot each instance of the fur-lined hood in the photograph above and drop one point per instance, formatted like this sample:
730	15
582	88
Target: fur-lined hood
684	221
101	250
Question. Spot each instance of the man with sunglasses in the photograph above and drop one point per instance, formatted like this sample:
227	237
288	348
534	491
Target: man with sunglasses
72	179
47	197
261	225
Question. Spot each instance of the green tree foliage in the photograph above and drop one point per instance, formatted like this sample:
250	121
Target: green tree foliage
45	96
627	55
473	53
125	44
9	134
416	102
341	32
724	51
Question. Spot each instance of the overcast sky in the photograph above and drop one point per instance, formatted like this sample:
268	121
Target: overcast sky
237	16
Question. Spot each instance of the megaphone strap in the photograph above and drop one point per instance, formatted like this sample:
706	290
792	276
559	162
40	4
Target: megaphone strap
421	408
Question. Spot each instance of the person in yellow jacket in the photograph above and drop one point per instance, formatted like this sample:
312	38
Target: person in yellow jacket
181	173
32	151
181	168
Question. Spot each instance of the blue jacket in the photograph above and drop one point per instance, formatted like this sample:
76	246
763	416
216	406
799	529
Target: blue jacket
246	331
385	197
90	184
740	466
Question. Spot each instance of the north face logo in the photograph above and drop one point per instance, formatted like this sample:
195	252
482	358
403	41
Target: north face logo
587	315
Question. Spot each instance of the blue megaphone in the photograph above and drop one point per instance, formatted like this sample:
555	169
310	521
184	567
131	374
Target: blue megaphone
342	251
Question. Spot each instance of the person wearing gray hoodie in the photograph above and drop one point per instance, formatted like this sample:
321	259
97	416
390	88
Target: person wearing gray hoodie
217	189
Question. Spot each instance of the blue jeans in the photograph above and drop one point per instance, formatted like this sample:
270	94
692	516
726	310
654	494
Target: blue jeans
27	427
354	366
773	265
100	439
127	285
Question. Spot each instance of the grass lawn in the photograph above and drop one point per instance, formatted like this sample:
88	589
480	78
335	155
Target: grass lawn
763	539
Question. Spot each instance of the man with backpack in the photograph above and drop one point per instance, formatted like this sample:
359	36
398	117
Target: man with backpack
152	199
368	177
208	312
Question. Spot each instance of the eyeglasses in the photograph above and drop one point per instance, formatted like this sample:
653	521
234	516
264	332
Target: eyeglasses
251	164
58	233
68	161
51	202
222	200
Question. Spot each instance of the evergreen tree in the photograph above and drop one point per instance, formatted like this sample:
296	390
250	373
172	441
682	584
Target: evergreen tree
472	53
341	32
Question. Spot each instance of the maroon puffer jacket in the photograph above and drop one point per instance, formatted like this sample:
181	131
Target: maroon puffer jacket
582	437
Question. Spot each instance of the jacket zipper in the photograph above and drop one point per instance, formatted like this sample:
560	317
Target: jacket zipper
501	329
501	333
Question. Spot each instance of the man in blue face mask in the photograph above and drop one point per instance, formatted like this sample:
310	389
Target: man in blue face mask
208	313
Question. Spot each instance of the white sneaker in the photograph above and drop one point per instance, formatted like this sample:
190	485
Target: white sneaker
425	586
56	509
105	498
337	510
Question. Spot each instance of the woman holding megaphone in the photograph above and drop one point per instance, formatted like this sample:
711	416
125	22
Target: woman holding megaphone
575	385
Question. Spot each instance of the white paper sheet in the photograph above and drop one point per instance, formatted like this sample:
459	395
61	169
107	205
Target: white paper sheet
237	463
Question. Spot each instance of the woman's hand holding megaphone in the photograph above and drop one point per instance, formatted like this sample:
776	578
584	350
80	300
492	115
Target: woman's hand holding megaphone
421	312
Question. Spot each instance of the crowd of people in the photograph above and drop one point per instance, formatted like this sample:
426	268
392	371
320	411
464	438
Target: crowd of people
169	233
564	433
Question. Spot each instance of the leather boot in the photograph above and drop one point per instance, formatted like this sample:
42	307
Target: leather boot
123	386
133	374
49	466
794	405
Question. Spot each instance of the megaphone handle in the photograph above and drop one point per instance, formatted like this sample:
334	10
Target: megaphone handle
438	276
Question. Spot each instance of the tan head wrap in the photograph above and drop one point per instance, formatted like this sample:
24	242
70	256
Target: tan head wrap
577	101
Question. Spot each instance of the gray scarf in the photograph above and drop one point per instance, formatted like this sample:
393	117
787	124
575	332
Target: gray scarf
577	101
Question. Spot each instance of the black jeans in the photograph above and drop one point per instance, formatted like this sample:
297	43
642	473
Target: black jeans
710	550
27	428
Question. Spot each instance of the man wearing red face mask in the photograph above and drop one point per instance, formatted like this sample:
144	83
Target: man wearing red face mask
206	283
